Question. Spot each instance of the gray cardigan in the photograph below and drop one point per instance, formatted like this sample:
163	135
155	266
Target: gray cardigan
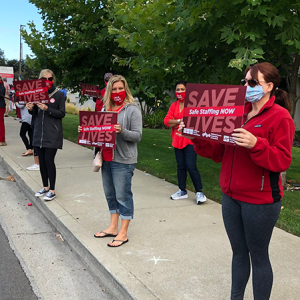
25	115
130	119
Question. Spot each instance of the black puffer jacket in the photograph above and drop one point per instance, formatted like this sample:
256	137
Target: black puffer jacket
48	132
2	94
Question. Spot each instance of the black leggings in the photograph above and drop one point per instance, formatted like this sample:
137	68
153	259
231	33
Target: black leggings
249	228
25	127
47	166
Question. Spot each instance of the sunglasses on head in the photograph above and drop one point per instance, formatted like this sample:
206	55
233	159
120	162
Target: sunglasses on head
49	78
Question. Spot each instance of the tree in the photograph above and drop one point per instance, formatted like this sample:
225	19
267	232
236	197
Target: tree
75	42
2	58
208	41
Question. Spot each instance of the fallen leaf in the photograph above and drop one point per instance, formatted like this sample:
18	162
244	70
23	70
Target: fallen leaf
10	178
59	237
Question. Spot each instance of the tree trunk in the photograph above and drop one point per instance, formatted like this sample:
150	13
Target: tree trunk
293	85
283	178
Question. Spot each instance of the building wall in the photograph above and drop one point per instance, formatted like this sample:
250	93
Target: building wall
297	113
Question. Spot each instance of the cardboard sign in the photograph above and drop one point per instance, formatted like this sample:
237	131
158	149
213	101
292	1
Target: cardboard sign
213	111
90	90
98	129
34	91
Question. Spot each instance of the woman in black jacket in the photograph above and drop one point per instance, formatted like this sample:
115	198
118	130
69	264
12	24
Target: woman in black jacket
2	112
48	133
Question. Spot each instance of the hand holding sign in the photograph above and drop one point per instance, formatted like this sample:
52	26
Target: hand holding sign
244	138
42	106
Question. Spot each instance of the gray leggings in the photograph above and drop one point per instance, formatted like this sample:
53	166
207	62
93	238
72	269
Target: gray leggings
249	228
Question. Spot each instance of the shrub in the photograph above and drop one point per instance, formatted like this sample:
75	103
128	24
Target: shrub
155	120
73	110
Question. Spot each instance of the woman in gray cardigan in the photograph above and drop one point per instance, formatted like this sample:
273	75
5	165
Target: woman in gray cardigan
119	164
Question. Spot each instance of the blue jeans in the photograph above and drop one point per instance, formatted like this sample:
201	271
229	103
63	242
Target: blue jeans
187	162
116	178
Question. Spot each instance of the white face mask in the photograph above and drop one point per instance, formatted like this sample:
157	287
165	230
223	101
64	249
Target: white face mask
254	94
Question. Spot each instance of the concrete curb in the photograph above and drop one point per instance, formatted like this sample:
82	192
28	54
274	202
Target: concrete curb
108	279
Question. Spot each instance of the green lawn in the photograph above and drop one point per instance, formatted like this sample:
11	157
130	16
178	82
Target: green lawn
156	157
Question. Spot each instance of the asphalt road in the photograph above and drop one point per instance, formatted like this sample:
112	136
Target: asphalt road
14	283
35	260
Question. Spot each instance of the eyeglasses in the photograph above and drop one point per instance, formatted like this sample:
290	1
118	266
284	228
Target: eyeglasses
251	82
49	78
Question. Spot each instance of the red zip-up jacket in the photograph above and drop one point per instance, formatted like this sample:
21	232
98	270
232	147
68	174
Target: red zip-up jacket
253	175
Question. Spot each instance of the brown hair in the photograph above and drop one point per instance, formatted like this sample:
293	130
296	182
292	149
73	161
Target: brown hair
271	74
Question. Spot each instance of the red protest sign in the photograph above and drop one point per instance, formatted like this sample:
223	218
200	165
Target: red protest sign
34	91
98	129
90	90
213	111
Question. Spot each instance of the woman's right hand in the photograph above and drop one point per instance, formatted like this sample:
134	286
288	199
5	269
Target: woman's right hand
29	106
180	130
79	128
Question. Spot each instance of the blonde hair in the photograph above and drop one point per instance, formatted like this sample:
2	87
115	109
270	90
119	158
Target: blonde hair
43	72
106	99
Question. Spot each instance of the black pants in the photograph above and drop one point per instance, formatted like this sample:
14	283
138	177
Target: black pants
249	228
187	162
26	128
47	166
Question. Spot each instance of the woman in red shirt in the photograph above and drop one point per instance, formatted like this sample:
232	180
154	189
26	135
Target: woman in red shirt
185	154
250	177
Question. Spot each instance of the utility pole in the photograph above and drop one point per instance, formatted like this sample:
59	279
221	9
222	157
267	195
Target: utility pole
21	51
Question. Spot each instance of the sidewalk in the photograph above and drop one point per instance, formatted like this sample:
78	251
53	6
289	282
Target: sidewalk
176	249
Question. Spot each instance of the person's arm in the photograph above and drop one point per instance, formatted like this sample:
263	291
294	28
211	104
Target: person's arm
134	134
20	105
32	109
207	149
169	120
60	112
275	154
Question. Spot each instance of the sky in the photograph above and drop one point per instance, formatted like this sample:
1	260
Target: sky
13	14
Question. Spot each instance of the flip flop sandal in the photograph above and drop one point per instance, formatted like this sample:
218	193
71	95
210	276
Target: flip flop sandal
122	243
27	154
104	236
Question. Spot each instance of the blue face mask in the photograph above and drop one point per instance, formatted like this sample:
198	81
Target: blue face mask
254	94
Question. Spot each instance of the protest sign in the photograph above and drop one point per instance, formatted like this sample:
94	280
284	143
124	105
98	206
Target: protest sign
213	111
98	129
34	91
90	90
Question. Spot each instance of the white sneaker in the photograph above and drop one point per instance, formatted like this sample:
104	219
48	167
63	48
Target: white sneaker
33	167
200	198
49	196
179	195
41	192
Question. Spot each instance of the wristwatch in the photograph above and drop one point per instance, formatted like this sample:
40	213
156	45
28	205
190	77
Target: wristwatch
178	121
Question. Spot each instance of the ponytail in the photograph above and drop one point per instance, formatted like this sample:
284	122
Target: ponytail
282	98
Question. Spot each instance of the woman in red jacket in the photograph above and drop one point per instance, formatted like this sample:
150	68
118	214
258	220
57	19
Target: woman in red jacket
186	156
250	177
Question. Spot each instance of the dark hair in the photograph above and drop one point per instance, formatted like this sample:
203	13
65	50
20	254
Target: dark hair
180	82
271	74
